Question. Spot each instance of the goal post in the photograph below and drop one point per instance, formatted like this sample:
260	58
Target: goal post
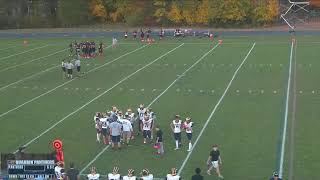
293	8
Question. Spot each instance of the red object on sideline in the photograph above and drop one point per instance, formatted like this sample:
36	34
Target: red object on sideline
59	156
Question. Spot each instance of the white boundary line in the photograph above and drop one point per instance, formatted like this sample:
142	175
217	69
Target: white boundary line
153	101
97	97
24	52
36	74
11	67
67	82
284	130
214	110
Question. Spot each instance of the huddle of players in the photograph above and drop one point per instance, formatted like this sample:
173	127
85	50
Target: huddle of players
115	125
145	175
88	48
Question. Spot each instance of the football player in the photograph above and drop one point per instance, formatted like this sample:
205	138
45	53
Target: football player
100	49
146	128
126	129
98	126
141	111
115	174
114	42
130	175
105	128
187	125
173	175
63	67
146	175
71	49
93	175
152	115
176	126
131	118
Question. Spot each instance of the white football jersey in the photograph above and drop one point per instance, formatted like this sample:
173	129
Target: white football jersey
104	123
114	176
147	125
129	178
141	113
57	171
177	126
171	177
150	177
93	176
188	127
126	125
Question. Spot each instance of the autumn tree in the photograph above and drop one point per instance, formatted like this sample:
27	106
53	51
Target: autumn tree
175	13
98	10
204	12
161	10
188	10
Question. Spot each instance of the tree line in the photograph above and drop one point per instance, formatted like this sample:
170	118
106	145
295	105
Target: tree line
69	13
187	12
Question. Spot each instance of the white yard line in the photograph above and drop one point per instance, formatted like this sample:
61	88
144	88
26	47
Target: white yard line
100	95
153	101
29	77
24	52
284	130
27	62
67	82
214	110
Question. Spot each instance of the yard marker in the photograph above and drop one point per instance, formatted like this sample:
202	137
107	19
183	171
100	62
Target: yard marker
24	52
284	130
100	95
67	82
214	110
153	101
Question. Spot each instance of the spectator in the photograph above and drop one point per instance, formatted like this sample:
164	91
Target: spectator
275	176
197	176
72	173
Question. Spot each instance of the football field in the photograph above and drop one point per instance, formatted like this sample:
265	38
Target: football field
257	97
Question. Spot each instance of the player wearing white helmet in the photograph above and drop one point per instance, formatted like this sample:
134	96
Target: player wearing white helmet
105	128
187	125
141	112
146	126
173	175
98	125
115	174
131	118
93	175
126	129
176	126
130	175
146	175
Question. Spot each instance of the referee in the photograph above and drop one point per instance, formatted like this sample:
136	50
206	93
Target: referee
69	67
77	63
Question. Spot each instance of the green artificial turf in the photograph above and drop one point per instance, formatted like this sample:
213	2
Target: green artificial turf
39	105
